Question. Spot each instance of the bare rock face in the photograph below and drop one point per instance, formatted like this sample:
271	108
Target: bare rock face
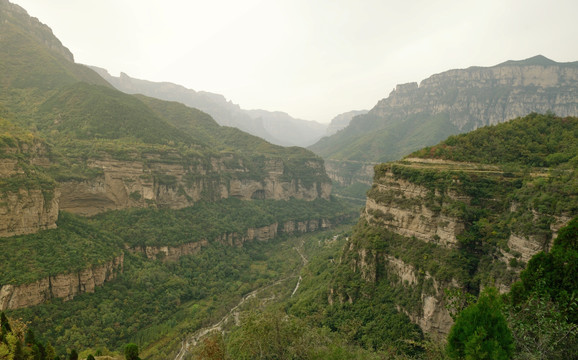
28	202
433	317
346	172
61	286
264	233
402	209
169	184
170	253
27	212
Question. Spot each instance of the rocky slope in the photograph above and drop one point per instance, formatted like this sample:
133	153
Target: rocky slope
453	102
92	149
28	196
433	223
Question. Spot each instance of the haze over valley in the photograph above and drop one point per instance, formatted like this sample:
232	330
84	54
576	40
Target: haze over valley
142	219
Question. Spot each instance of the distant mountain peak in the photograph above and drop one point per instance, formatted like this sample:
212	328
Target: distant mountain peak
538	60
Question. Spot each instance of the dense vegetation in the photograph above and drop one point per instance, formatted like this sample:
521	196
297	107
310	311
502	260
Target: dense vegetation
78	243
535	140
153	303
535	320
310	326
210	220
73	246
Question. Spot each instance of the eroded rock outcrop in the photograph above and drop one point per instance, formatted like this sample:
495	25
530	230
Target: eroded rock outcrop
263	233
61	286
177	184
427	213
401	206
27	212
28	197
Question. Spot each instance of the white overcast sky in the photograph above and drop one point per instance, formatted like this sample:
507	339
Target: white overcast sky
312	59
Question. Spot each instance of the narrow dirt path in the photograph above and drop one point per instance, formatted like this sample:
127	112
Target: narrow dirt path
192	340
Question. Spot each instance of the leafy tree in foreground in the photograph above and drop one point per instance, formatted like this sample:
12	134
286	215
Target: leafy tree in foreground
481	331
131	352
73	355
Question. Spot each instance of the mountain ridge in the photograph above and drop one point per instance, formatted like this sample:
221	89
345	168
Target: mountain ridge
274	126
452	102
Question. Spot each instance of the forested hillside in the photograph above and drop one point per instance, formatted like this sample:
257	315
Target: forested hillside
127	212
275	127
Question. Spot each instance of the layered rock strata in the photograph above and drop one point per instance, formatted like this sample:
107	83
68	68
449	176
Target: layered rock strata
61	286
264	233
175	185
426	214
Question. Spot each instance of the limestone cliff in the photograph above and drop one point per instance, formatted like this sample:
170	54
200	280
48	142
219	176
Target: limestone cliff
348	172
28	196
452	102
418	221
154	181
264	233
61	286
27	212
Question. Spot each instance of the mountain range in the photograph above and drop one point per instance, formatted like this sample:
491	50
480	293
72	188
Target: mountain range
127	218
452	102
274	126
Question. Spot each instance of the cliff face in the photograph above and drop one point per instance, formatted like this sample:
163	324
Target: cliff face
27	212
452	102
419	217
28	197
176	184
347	172
477	97
61	286
400	206
264	233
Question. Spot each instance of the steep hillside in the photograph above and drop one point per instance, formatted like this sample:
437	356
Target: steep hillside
33	62
451	102
276	127
467	213
28	195
71	143
111	150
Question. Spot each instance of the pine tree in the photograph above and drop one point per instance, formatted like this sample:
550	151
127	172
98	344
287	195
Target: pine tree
481	331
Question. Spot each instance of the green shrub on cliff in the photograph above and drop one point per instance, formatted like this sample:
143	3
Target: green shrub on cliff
481	331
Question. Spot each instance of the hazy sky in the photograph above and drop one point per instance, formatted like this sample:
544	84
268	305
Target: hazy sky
312	59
